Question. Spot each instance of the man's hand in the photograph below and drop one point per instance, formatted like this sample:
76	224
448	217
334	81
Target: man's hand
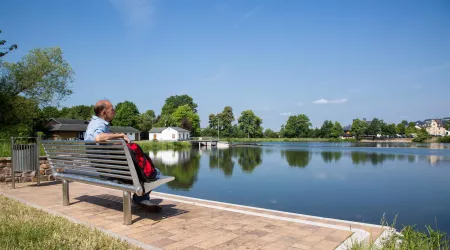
125	137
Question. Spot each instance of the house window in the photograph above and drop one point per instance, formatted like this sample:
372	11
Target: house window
173	136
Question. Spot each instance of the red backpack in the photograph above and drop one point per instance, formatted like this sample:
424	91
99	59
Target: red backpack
144	166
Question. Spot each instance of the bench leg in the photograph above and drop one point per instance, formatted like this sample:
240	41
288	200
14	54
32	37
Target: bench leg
65	187
126	208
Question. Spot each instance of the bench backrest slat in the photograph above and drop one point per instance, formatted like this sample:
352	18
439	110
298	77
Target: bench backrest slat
106	160
92	160
120	157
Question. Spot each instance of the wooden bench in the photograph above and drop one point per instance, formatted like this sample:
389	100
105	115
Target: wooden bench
106	164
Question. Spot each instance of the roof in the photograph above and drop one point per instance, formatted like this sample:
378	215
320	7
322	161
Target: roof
70	121
124	129
69	127
161	129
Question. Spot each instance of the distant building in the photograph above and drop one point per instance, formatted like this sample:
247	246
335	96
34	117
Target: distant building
436	128
72	129
169	134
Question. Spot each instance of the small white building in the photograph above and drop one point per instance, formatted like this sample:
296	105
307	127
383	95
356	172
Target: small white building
168	134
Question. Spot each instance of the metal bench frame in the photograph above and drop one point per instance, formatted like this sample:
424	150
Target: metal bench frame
89	162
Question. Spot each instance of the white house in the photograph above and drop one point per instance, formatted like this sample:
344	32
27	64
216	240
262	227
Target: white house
169	134
436	127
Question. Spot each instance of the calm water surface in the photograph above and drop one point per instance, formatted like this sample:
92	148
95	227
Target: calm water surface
343	181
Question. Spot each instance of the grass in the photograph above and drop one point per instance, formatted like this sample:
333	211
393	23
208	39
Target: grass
151	145
24	227
410	239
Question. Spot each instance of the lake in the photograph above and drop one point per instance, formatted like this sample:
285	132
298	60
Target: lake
357	182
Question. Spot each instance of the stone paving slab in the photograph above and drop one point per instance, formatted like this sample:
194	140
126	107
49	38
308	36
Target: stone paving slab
188	223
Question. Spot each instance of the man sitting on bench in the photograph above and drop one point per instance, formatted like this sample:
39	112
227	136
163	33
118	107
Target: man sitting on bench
98	131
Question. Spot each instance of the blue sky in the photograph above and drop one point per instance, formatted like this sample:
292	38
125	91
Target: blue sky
333	60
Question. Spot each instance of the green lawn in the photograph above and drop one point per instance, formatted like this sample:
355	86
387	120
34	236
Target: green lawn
24	227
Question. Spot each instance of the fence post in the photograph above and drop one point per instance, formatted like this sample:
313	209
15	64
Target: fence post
13	176
38	165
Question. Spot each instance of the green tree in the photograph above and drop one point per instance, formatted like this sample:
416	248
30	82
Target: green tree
42	76
38	79
4	51
447	125
297	126
269	133
400	128
49	112
185	118
250	124
173	102
127	114
375	127
337	130
80	112
411	129
359	128
422	136
325	130
146	120
388	129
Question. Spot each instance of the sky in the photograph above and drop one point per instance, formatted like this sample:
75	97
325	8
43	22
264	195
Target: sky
330	60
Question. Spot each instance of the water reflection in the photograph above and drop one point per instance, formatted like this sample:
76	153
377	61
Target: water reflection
222	159
297	158
248	157
331	156
183	165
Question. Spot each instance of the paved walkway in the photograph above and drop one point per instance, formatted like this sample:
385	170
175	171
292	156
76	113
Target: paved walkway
188	223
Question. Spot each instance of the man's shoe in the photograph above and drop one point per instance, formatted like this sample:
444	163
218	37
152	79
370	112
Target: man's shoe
149	206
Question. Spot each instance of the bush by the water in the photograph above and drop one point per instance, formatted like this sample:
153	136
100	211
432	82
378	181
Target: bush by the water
410	238
445	139
151	145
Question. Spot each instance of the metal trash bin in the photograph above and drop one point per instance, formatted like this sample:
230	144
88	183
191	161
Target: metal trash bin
24	157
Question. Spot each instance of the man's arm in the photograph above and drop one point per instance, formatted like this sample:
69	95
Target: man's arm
107	136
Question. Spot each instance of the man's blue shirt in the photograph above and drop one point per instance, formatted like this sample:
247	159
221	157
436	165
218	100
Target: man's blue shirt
96	126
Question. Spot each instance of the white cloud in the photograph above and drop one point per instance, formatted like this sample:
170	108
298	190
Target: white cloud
286	113
137	13
336	101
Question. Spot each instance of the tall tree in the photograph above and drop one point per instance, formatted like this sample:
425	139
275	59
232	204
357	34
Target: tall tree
186	118
80	112
269	133
127	114
326	128
49	112
146	120
375	127
173	102
250	124
400	128
42	76
38	79
359	128
297	126
337	130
